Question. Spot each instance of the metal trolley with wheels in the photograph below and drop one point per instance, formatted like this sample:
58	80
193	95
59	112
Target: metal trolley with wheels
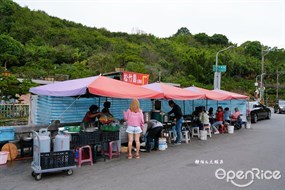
46	162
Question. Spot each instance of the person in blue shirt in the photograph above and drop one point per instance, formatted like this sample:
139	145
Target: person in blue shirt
227	115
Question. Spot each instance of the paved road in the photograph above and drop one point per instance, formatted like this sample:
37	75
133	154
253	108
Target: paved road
262	147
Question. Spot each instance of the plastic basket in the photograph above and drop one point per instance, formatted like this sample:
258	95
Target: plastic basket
90	137
110	136
86	138
57	159
3	157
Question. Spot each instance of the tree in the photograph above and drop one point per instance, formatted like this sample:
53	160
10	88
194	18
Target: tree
252	48
182	31
10	86
202	38
136	67
11	50
219	39
7	8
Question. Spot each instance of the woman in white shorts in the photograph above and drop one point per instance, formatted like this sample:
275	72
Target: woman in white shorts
134	118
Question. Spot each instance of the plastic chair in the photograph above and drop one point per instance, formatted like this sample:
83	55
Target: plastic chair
81	158
110	152
208	129
172	136
186	136
197	133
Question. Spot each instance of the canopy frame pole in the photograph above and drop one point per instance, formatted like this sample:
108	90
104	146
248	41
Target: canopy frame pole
64	111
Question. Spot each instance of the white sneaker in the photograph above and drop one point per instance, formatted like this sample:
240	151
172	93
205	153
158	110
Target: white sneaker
217	132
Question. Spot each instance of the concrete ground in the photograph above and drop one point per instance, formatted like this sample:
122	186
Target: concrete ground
179	167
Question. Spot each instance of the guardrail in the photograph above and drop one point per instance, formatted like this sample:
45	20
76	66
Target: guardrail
14	114
14	110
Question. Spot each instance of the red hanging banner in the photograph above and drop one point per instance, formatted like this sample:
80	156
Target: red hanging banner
135	78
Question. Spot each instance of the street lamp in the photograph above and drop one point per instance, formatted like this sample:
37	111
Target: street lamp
263	53
217	76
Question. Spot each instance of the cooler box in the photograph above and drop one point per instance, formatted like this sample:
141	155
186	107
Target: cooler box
7	134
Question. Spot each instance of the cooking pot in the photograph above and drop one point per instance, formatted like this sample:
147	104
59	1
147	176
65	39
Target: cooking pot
27	138
165	118
146	116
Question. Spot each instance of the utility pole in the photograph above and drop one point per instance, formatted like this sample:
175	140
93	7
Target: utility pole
263	53
277	83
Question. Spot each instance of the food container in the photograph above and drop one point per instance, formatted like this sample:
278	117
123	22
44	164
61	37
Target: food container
7	134
110	128
3	157
146	116
73	129
165	118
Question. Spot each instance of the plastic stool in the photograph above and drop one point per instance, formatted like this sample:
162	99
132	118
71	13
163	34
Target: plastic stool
197	133
80	158
186	136
208	129
110	151
222	128
172	136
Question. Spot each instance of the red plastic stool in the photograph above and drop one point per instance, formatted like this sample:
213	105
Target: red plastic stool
82	157
110	152
222	129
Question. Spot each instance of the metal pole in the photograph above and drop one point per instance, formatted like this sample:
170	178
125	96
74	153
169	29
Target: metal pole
256	82
261	77
277	86
216	75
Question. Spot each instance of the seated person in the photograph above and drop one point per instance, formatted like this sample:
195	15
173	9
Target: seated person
235	115
219	119
204	118
90	116
211	115
154	129
227	115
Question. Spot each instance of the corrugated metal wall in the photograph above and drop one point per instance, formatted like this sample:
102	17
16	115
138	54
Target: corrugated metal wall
44	109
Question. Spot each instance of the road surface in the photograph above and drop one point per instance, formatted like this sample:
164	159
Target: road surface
181	167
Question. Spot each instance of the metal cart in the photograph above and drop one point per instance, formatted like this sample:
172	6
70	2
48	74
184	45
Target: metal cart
46	162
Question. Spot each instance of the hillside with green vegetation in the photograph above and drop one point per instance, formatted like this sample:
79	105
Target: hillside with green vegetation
36	45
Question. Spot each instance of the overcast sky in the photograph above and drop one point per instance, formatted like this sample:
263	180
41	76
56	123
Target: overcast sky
239	20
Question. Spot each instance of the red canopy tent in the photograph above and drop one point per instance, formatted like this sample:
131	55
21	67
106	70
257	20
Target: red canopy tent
108	87
97	85
232	94
211	95
172	92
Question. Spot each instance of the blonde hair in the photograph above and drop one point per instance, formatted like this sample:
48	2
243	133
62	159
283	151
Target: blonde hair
135	105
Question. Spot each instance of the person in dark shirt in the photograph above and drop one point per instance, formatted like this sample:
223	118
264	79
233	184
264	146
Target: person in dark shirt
176	110
90	116
106	109
154	129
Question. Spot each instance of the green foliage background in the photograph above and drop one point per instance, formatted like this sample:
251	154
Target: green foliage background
36	45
